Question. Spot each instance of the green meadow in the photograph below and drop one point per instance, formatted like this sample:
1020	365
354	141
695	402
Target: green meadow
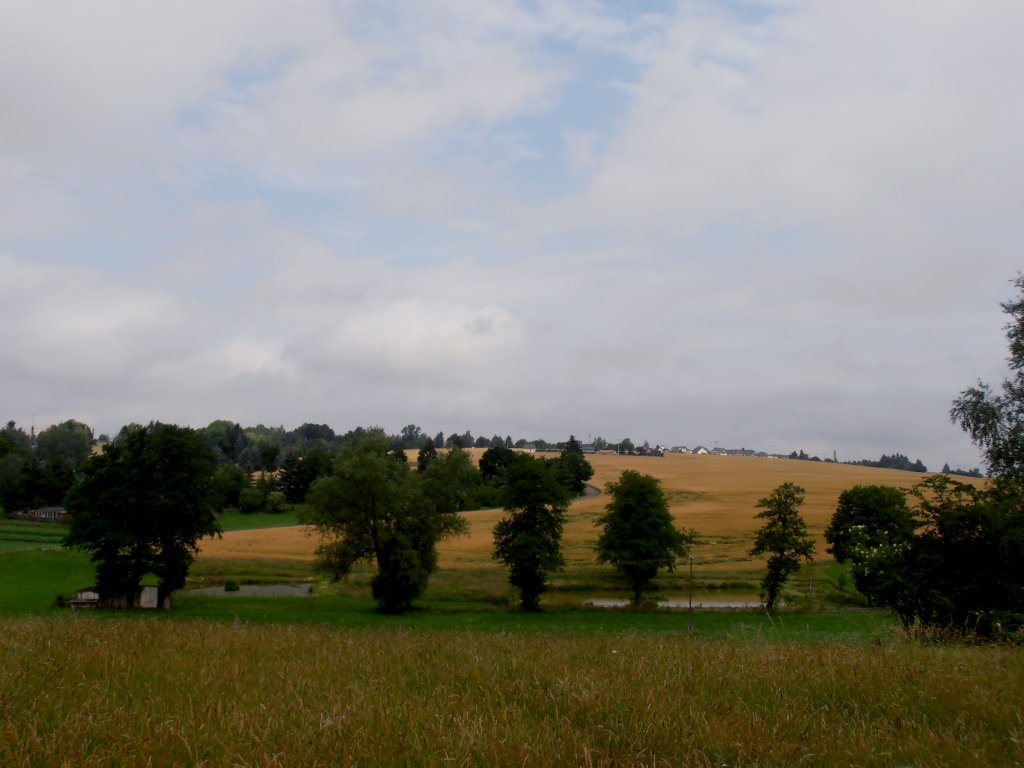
466	680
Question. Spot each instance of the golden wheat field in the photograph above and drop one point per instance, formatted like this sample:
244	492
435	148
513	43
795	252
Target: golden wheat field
712	495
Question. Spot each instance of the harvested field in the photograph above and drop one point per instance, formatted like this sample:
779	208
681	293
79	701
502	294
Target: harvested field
713	495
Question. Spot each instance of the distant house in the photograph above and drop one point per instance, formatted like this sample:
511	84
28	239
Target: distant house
89	597
700	450
44	514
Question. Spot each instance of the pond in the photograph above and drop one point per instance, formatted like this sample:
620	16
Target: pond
677	605
258	590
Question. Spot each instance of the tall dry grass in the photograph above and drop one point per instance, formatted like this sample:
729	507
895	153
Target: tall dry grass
116	692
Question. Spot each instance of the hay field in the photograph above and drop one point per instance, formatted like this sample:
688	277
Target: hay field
126	692
713	495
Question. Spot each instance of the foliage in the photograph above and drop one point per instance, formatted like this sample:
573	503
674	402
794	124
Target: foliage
961	472
228	483
411	437
871	519
17	467
528	539
426	455
300	470
227	440
572	468
372	507
964	569
638	536
896	461
61	451
142	506
493	463
783	538
995	422
312	433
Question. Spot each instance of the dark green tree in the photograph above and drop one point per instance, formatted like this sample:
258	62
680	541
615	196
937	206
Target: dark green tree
412	437
638	537
61	451
783	538
142	506
268	456
427	454
311	433
372	507
229	481
572	469
866	516
299	470
493	462
227	440
869	521
528	539
964	568
17	468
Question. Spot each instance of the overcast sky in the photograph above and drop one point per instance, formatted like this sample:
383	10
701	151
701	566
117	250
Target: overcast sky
778	225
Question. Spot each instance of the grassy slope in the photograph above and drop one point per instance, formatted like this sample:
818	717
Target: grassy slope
27	535
31	581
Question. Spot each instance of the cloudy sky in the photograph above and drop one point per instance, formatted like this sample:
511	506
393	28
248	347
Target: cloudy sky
777	225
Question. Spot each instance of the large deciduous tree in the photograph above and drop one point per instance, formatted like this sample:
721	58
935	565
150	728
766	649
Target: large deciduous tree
142	506
638	536
870	520
373	507
528	539
783	538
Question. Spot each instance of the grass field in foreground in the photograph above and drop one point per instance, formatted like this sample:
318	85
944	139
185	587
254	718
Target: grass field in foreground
88	692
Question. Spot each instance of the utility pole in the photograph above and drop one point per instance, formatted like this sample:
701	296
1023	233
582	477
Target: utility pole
690	624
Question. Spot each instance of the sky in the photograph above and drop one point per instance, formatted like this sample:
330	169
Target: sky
775	225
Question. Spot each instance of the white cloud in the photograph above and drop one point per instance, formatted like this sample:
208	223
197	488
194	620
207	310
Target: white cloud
571	216
69	324
831	115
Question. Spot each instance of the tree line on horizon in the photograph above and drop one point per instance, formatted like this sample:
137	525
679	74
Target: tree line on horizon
37	470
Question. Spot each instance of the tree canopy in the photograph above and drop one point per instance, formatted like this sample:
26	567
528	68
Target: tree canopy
964	567
373	507
572	469
142	506
783	538
870	519
528	539
638	536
